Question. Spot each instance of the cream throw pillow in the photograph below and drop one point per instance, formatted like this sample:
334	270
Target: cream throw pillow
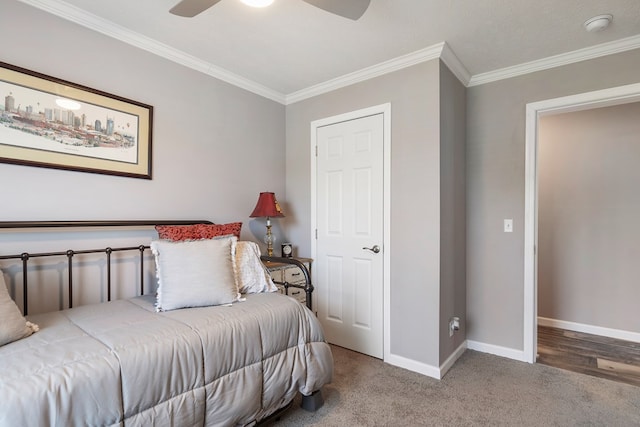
251	275
195	273
13	325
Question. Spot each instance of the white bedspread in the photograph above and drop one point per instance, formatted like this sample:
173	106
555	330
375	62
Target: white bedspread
121	363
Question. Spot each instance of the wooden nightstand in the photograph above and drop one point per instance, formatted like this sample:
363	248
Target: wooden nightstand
289	277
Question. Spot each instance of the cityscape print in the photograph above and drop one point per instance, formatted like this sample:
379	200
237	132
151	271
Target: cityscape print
39	120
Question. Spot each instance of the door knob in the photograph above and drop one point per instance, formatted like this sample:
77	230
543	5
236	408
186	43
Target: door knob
375	249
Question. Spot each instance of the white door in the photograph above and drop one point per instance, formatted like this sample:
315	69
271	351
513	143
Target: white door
350	221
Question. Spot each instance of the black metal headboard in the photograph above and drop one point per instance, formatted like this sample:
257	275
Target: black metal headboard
25	256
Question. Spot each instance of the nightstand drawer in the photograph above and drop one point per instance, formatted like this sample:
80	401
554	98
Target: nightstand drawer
282	273
299	294
276	275
293	275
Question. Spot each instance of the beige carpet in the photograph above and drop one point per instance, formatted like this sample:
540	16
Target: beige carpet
480	389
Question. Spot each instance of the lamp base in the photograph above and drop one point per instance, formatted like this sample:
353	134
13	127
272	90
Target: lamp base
269	239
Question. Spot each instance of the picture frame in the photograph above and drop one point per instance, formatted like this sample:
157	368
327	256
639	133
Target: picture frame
53	123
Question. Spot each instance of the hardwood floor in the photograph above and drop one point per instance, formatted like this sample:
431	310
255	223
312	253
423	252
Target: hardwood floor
595	355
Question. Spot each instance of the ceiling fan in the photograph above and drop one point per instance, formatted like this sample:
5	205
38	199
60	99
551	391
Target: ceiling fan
352	9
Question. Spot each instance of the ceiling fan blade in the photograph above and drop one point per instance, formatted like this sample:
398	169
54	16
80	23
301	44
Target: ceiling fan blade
352	9
190	8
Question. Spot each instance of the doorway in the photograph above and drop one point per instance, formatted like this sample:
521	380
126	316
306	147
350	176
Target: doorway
588	206
350	227
596	99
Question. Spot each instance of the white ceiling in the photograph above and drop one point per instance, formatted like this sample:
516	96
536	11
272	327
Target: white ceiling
291	47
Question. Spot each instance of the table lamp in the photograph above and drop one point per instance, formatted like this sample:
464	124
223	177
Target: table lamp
268	207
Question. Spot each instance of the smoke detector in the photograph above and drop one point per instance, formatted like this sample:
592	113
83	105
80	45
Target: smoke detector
597	23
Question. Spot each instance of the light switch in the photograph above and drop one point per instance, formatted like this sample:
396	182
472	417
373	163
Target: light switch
508	225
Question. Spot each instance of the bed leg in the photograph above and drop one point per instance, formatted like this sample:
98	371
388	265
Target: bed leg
313	402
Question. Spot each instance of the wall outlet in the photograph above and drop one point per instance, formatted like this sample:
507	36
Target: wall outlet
454	325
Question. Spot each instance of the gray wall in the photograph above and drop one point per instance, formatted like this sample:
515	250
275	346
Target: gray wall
588	211
452	210
415	194
215	146
495	186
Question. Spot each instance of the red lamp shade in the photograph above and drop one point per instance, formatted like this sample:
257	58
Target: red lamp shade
267	206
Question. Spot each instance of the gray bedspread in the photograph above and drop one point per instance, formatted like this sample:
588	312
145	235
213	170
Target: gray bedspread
121	363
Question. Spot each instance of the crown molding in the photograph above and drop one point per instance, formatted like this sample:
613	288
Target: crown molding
441	50
426	54
437	51
76	15
584	54
455	65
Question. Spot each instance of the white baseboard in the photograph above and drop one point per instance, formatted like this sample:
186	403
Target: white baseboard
543	321
447	364
509	353
439	372
590	329
423	368
412	365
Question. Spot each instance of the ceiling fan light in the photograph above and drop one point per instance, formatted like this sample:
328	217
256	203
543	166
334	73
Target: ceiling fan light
257	3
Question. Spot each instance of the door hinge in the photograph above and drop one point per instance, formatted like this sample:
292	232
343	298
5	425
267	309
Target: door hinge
316	234
316	151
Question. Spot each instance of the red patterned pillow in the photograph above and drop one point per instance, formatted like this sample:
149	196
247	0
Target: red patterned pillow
209	231
178	233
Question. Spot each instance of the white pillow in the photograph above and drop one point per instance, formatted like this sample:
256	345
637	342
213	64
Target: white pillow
195	273
13	325
252	276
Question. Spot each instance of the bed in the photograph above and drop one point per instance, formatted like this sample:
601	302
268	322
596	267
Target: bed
143	361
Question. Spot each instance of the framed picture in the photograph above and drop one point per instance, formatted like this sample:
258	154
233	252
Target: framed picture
48	122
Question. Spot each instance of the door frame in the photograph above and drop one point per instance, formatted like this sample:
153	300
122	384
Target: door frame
584	101
385	110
